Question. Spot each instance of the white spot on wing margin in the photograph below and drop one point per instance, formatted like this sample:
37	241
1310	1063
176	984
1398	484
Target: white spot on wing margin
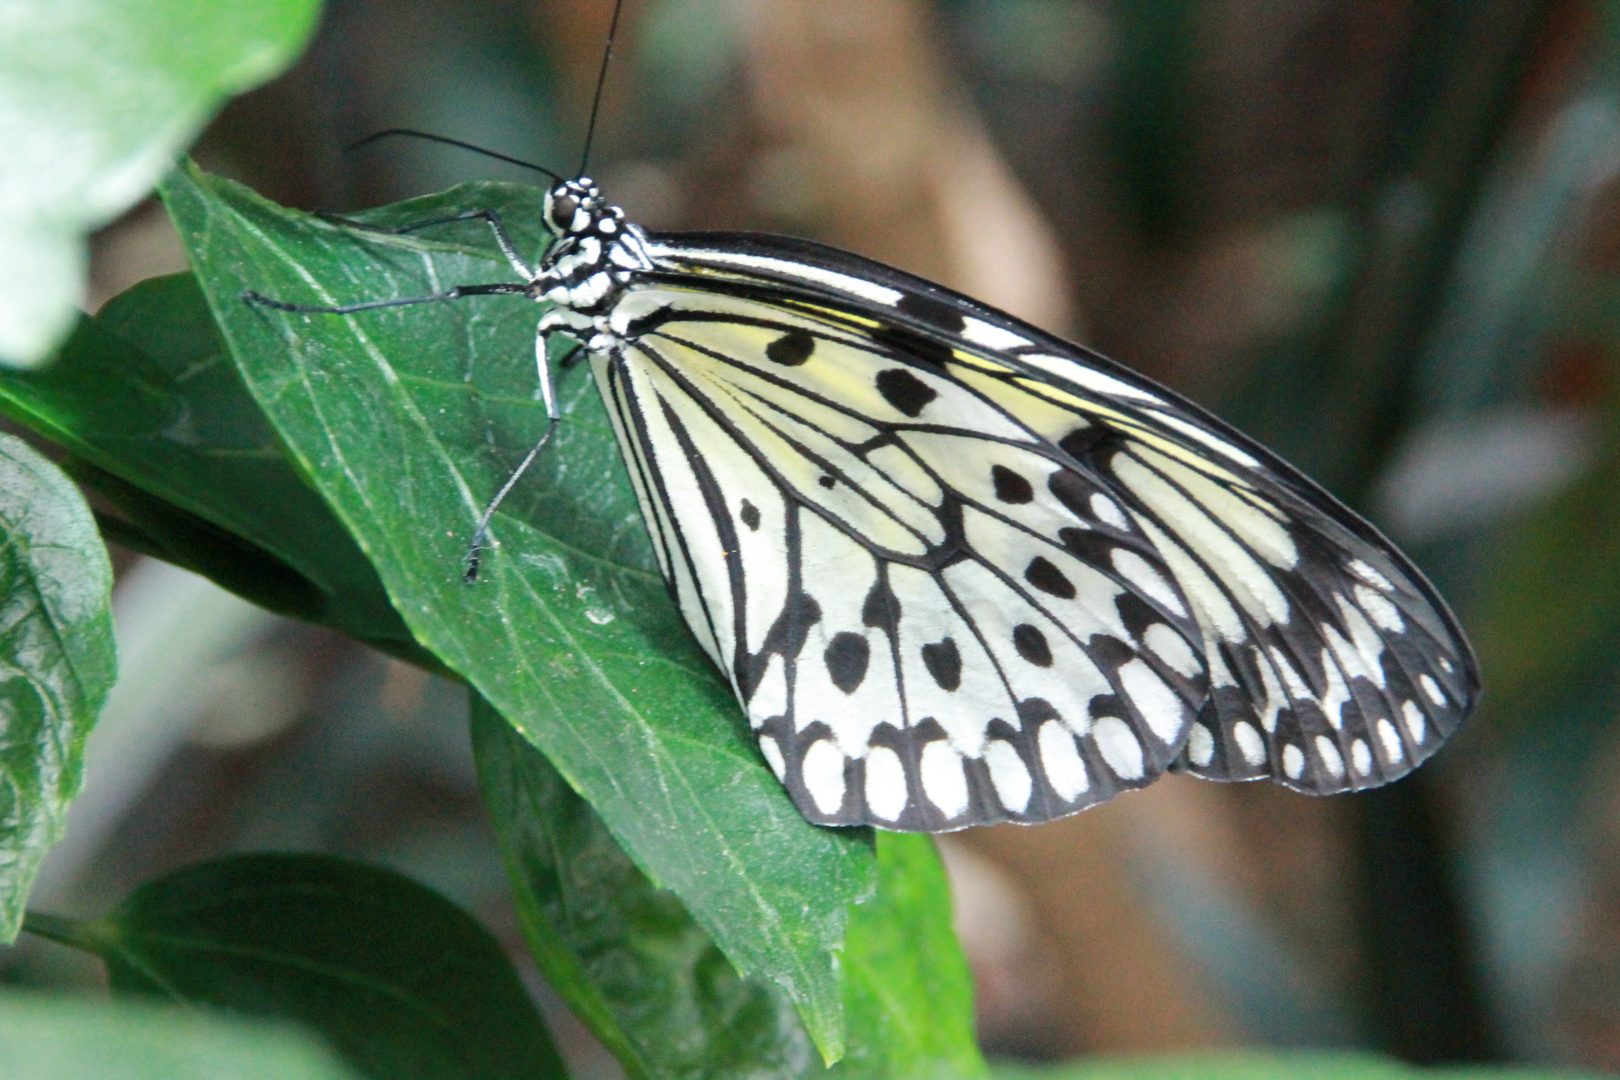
942	778
1119	748
824	775
1008	775
885	783
1065	771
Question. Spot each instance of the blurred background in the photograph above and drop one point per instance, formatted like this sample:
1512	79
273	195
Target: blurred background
1382	236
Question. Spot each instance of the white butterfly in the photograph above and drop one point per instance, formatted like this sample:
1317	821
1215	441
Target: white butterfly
959	571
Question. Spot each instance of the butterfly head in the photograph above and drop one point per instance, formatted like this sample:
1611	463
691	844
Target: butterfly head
573	206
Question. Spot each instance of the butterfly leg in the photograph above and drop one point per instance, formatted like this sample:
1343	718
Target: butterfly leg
548	394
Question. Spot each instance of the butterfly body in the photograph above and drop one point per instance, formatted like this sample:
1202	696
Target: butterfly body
959	571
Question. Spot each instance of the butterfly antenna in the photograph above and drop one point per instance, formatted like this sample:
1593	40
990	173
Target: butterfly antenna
446	140
601	81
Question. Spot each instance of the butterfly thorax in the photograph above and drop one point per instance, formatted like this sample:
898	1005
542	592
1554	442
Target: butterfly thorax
590	263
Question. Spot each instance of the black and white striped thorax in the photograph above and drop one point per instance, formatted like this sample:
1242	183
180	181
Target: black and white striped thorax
587	267
960	571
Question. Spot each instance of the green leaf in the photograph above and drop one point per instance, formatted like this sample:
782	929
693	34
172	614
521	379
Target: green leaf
401	982
909	995
1284	1066
96	99
63	1038
58	654
407	420
147	399
624	954
633	964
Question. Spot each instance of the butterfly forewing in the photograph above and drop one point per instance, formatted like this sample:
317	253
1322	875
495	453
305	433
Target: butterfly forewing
959	571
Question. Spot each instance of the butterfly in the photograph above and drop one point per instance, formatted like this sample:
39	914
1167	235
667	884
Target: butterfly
960	571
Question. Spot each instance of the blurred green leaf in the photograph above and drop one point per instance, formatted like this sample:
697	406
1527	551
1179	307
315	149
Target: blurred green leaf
63	1038
650	982
407	420
1552	598
146	398
96	99
59	660
401	982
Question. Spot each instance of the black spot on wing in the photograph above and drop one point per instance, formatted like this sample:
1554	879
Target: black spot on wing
785	638
1031	645
1010	487
903	390
944	663
926	351
1073	492
847	656
1033	711
792	348
1091	441
787	634
881	608
1137	614
750	515
1084	544
827	481
936	313
1046	577
1108	652
1109	705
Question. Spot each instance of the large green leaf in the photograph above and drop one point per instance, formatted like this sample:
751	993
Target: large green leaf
651	984
57	655
624	954
96	99
146	398
401	982
407	420
63	1038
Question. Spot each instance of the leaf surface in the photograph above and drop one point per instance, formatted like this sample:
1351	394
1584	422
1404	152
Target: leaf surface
57	657
400	982
406	420
147	400
652	985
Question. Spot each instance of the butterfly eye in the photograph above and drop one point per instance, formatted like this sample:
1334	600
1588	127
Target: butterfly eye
562	211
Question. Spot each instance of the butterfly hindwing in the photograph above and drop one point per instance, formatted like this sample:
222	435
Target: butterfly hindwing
1328	672
1334	665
